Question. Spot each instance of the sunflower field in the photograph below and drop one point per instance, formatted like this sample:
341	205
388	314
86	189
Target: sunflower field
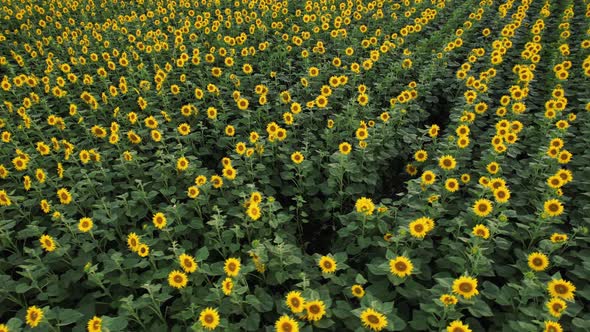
265	165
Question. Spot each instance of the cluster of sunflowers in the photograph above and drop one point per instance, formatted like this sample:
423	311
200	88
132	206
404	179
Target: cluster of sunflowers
294	165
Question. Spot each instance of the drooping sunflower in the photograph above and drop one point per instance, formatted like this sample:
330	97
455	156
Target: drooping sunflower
553	207
95	324
465	286
538	261
232	267
85	225
327	264
551	326
447	162
315	310
295	302
562	289
357	291
188	264
47	243
159	220
373	319
34	316
401	266
482	207
209	318
286	324
227	285
556	307
458	326
177	279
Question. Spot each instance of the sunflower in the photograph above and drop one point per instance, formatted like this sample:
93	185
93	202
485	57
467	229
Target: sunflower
159	220
253	212
558	237
4	199
502	194
209	318
551	326
286	324
421	156
34	316
562	289
365	205
448	299
482	207
227	285
229	173
418	228
555	182
465	286
373	319
297	157
452	185
64	196
177	279
95	324
553	207
538	261
361	134
85	225
315	310
428	177
481	231
47	243
143	250
193	192
295	302
401	266
357	291
327	264
232	267
4	328
344	148
133	242
556	307
188	264
447	162
182	164
216	181
458	326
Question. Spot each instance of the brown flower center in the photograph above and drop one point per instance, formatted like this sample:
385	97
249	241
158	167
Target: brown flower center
373	319
465	287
